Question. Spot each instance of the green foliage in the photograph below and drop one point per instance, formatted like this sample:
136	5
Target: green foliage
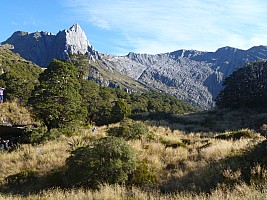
246	87
107	105
21	177
236	135
172	144
130	130
110	160
82	63
57	100
37	135
143	175
55	178
120	110
19	76
158	102
98	101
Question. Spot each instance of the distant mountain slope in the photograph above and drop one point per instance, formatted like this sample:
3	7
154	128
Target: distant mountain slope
194	76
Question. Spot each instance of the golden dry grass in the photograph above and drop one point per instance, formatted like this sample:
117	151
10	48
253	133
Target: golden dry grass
115	192
11	113
197	154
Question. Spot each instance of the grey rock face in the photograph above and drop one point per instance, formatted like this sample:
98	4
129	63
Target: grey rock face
42	47
191	75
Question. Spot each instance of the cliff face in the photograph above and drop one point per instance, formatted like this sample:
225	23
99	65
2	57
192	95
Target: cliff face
191	75
42	47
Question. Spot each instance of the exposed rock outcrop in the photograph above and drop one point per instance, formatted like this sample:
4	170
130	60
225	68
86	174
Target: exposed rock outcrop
194	76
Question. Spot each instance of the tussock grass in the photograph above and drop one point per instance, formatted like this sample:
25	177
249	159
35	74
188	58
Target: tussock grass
106	192
187	171
41	158
11	113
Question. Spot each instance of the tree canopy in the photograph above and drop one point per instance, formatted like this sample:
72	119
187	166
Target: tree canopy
247	86
57	98
19	76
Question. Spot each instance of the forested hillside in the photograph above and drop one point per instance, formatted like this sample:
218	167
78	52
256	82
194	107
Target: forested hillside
18	75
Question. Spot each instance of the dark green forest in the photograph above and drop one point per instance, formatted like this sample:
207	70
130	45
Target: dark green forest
246	87
60	95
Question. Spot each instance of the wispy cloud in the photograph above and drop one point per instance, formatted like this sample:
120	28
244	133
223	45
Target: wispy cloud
155	26
25	21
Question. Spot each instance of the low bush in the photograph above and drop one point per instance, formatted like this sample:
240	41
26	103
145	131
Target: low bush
143	175
109	160
40	134
172	144
21	177
130	130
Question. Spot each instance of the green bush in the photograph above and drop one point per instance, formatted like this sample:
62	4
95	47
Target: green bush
21	177
130	130
34	135
109	160
55	178
143	175
40	134
172	144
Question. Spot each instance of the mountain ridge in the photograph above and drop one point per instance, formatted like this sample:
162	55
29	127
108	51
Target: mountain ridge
41	47
194	76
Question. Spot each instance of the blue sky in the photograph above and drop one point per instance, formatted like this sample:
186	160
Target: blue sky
144	26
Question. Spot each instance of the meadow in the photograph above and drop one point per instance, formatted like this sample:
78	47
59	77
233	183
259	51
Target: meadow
174	164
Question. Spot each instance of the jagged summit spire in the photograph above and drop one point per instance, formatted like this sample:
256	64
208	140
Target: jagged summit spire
75	27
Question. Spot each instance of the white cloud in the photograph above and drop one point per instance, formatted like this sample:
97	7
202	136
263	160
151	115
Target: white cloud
156	26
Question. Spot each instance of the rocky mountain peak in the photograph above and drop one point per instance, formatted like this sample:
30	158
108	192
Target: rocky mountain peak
42	47
77	42
76	28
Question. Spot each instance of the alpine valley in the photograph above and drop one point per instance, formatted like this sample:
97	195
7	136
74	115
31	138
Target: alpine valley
191	75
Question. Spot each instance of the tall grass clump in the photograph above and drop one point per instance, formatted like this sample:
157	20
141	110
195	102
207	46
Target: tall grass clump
11	113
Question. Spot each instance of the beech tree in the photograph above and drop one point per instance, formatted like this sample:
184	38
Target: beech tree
120	110
247	86
56	99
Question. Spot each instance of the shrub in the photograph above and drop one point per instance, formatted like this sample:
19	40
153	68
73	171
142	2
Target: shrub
40	134
172	144
34	135
55	178
21	177
143	175
131	130
109	160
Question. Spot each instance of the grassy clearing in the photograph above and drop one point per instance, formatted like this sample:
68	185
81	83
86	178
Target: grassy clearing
203	165
173	163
